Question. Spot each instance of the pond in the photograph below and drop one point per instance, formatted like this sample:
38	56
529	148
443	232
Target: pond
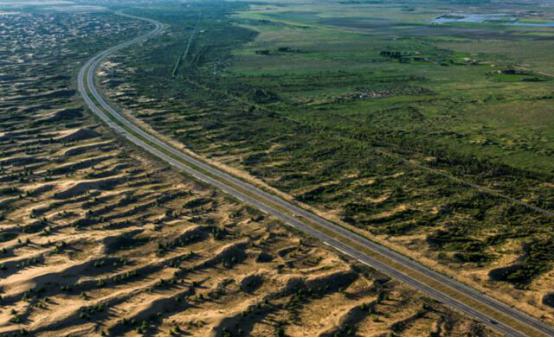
490	18
534	24
471	18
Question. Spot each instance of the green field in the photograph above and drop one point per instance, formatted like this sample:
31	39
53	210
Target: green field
371	112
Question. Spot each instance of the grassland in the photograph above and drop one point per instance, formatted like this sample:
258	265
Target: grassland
96	238
375	117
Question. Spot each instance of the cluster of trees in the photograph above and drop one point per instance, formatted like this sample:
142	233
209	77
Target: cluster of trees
536	260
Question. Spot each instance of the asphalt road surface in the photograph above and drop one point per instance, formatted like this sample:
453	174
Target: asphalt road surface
493	313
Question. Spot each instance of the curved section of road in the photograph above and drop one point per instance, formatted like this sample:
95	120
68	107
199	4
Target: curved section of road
501	317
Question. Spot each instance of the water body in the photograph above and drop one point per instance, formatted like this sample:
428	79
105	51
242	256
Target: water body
488	18
534	24
471	18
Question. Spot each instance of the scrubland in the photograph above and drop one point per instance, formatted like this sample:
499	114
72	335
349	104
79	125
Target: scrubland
433	139
97	238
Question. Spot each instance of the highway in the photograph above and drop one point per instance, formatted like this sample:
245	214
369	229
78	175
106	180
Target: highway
493	313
